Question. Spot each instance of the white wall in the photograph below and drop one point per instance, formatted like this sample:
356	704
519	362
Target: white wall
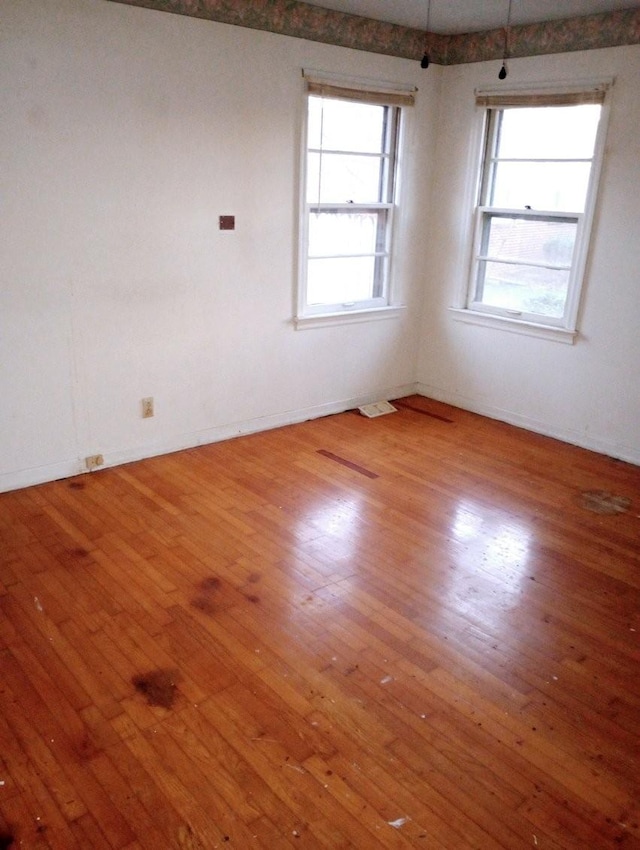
125	133
587	393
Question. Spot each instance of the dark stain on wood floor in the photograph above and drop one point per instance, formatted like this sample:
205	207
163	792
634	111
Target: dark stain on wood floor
158	686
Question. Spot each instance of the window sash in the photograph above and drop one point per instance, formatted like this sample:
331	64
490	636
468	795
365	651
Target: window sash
492	159
380	255
482	257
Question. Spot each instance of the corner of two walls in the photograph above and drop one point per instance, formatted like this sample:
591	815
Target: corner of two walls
587	393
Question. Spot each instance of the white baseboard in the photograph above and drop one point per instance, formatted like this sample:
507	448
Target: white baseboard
566	435
18	479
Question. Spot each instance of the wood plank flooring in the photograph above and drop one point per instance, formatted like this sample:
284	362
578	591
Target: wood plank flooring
417	631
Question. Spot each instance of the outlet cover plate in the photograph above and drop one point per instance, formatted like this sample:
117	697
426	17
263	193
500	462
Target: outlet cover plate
93	461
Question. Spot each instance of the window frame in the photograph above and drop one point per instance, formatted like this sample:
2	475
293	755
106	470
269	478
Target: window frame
380	304
488	103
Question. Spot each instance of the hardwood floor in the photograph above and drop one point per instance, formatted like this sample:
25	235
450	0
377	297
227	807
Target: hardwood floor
421	630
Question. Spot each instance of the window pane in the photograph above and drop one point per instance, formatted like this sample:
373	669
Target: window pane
339	281
529	240
336	178
332	233
345	126
554	132
527	289
553	186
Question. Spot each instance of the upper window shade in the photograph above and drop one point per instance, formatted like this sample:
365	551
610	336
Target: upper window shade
578	97
372	95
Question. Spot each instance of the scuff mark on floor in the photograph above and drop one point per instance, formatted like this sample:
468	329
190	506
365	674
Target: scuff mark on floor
604	503
399	823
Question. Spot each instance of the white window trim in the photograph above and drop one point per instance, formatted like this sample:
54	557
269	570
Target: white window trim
515	325
382	307
467	311
349	317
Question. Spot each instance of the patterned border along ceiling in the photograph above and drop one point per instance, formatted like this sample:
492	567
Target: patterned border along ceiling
301	20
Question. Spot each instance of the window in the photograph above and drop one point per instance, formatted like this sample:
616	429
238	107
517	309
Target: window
536	196
349	180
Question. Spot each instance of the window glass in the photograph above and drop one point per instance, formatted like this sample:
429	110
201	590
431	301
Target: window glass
551	132
557	186
345	125
340	280
343	178
523	289
535	240
339	234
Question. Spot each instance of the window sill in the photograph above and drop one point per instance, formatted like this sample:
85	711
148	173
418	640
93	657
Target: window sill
506	323
347	317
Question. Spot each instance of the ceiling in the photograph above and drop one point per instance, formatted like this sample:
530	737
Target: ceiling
457	16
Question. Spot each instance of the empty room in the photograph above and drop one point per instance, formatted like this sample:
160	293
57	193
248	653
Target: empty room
319	424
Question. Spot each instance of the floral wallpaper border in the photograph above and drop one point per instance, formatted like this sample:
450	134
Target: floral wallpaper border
302	20
611	29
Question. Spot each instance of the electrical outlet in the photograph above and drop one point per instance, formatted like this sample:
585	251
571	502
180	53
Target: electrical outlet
147	408
93	461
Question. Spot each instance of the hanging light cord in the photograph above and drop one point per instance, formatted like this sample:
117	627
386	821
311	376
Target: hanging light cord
424	63
503	71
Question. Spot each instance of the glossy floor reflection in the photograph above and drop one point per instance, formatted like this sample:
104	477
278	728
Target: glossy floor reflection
491	553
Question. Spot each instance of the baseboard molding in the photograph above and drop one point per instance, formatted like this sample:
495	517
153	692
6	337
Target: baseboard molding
575	438
18	479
